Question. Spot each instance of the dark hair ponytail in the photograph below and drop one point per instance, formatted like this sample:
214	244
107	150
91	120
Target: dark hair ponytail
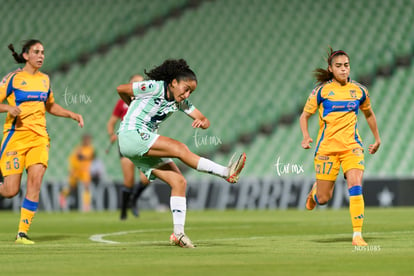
324	75
172	69
25	49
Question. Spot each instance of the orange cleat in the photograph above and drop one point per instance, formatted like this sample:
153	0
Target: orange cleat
310	202
359	241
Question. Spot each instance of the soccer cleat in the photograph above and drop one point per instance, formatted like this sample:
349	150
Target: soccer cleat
22	238
235	168
181	240
359	241
310	202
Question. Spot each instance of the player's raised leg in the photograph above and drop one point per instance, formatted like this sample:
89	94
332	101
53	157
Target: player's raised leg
168	147
320	193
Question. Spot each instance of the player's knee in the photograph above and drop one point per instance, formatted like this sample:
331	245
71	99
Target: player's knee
323	198
10	191
179	184
181	150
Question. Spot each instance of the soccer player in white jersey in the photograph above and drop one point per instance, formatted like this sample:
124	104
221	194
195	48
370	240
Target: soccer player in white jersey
150	103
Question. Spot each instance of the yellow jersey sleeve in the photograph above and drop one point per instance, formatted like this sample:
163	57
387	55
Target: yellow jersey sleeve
366	103
312	103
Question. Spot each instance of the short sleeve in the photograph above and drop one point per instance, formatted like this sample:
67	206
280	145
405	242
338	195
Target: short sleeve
365	100
186	106
144	87
312	103
51	97
6	86
3	91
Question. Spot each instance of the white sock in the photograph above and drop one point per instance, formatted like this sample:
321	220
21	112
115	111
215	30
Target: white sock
357	234
178	206
208	166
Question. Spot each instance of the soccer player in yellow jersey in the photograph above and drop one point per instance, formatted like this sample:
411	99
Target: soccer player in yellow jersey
25	144
80	162
338	100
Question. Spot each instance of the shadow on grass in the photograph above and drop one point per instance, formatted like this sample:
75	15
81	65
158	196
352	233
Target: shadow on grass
342	239
51	238
332	240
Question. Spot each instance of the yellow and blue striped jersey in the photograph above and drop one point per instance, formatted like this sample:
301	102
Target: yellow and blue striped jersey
31	93
338	109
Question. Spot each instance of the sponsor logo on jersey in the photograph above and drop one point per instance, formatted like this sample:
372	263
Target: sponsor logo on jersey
351	105
10	153
43	97
323	157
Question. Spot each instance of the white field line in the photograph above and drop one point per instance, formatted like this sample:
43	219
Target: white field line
101	237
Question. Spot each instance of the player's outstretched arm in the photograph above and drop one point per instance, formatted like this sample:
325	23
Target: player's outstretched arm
303	121
372	123
125	91
200	121
57	110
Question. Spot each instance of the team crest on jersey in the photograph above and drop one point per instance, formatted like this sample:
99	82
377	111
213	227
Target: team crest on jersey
144	136
353	94
143	87
23	82
45	84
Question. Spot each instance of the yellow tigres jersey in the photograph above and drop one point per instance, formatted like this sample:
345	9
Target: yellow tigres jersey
338	109
31	93
80	162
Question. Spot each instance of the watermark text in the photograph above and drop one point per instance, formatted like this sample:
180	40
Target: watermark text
205	140
76	98
288	168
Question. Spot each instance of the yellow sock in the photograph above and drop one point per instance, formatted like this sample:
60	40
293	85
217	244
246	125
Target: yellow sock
27	213
356	209
86	200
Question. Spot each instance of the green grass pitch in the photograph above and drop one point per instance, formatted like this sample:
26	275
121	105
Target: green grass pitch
276	242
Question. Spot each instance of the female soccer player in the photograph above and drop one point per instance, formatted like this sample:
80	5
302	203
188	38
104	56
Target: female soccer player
25	142
80	162
338	99
128	194
167	91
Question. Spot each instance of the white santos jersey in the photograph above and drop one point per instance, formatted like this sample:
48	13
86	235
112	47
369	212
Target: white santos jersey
150	107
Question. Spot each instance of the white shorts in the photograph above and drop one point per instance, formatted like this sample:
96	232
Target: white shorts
134	144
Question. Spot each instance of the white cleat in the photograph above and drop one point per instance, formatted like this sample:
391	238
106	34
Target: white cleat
181	240
235	168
